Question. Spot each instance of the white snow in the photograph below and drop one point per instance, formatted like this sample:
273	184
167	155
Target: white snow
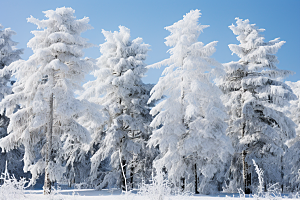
90	194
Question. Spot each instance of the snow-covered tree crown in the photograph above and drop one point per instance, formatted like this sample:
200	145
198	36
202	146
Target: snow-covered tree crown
257	65
185	31
184	40
253	51
187	53
8	54
63	27
55	46
121	57
131	54
8	51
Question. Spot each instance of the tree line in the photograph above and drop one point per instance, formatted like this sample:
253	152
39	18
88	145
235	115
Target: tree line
201	124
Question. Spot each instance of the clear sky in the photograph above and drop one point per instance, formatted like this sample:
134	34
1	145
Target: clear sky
147	19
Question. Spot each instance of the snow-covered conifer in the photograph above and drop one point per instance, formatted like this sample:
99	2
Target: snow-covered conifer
190	121
253	96
8	54
294	107
8	51
292	156
44	90
119	89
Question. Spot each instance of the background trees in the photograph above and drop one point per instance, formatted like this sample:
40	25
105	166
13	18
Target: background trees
51	74
254	95
190	121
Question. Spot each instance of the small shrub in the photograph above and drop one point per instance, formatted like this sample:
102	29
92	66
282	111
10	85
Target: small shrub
160	189
55	195
273	191
11	187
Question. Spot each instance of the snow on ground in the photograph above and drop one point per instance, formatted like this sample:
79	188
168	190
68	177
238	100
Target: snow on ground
90	194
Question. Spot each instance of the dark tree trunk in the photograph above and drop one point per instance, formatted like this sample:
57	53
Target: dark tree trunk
182	183
196	180
246	175
282	174
248	189
131	177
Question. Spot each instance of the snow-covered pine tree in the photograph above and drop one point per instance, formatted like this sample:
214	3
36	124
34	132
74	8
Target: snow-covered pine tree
292	156
8	54
119	88
253	96
190	121
45	83
294	107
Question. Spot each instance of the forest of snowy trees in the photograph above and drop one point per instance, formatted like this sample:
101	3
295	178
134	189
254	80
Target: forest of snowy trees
200	125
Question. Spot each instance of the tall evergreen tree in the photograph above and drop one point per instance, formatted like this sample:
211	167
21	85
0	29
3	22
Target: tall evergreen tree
253	96
292	157
47	123
190	121
8	54
119	89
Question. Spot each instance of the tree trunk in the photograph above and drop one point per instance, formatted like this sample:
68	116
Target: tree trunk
182	179
47	183
246	176
282	174
124	181
182	183
196	180
131	177
132	166
244	169
123	172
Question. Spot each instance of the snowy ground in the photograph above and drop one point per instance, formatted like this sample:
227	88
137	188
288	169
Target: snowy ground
89	194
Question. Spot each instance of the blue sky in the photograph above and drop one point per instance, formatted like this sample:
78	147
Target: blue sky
147	19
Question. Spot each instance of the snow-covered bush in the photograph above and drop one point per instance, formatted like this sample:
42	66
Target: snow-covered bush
11	187
273	190
260	174
159	188
56	195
